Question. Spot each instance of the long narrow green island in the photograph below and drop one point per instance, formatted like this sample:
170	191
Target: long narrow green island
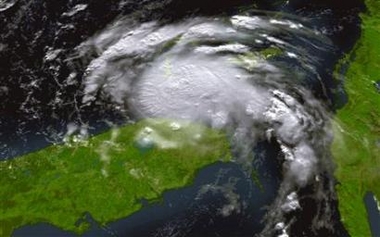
107	175
357	129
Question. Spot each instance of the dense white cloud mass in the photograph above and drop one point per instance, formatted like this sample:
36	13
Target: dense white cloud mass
218	72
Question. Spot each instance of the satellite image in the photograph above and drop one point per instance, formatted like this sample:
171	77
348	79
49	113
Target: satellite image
179	118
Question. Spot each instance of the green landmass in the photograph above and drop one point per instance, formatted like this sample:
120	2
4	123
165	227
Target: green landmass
249	60
356	146
106	175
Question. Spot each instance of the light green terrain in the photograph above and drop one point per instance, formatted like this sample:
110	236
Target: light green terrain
356	146
107	175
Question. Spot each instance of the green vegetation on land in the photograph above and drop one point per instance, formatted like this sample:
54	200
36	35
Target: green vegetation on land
250	60
356	147
107	175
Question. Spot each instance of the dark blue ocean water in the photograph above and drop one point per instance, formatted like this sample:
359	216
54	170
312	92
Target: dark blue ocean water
373	213
191	213
29	124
